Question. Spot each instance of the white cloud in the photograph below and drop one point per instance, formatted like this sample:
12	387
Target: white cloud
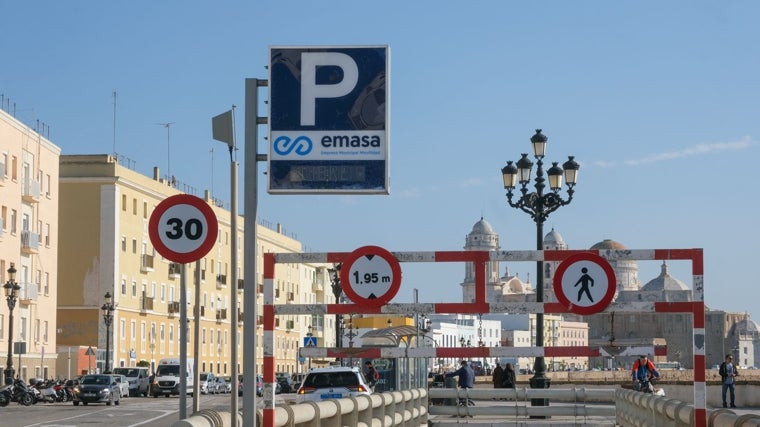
695	150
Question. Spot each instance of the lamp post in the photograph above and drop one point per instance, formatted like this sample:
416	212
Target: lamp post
337	290
310	334
108	309
11	295
539	205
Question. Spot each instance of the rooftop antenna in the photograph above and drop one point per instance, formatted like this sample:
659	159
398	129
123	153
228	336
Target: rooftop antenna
114	123
168	149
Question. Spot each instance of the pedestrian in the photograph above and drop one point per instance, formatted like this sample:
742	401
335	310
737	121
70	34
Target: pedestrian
728	372
370	374
509	379
497	376
466	380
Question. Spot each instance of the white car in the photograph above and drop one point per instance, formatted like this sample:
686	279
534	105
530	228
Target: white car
123	384
332	383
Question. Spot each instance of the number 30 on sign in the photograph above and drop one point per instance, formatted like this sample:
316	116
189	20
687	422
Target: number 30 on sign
183	228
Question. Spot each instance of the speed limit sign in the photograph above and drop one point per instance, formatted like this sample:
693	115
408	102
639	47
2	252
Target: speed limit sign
183	228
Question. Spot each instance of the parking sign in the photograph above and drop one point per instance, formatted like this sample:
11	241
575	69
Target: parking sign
328	120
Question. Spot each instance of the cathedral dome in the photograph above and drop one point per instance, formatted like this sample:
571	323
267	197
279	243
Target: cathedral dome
665	282
482	227
553	239
746	327
607	244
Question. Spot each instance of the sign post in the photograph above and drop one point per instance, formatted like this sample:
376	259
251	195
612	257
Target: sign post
183	228
329	120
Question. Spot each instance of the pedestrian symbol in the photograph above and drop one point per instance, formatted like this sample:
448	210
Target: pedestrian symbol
585	283
310	341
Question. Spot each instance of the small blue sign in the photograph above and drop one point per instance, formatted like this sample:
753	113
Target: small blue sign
310	341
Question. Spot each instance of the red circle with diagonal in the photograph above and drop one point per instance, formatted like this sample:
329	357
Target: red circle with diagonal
585	283
183	228
370	276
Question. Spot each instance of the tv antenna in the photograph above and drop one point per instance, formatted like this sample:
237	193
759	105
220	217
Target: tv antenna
168	149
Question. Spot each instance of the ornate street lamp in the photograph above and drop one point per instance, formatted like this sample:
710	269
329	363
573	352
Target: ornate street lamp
11	295
108	308
539	205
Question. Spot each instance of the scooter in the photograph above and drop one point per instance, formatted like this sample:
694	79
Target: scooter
21	393
6	394
47	393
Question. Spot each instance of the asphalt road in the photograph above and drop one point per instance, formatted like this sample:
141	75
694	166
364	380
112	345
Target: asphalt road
132	412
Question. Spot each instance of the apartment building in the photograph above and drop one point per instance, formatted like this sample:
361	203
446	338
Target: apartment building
106	248
28	243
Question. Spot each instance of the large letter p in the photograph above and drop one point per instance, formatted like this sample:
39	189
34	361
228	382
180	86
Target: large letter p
310	90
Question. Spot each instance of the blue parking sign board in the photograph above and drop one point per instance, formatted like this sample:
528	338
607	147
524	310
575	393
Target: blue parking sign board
328	120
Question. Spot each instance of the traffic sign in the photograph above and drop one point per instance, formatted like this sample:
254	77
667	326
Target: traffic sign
183	228
585	283
309	341
370	276
329	120
89	352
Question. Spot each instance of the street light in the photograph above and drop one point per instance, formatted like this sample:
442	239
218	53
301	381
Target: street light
108	309
11	295
539	205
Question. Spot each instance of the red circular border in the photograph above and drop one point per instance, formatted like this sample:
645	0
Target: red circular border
346	282
208	215
602	303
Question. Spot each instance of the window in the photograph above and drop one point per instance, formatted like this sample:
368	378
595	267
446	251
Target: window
133	330
123	243
124	202
47	283
123	286
163	292
122	329
47	184
47	235
45	331
145	210
134	206
134	289
2	326
13	221
134	246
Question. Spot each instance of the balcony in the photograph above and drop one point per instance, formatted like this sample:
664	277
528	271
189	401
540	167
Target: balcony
241	282
221	315
28	294
30	191
203	310
240	318
291	296
146	304
175	270
146	263
30	242
173	308
221	281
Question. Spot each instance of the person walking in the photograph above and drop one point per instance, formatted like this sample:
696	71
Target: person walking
466	380
497	376
510	379
728	373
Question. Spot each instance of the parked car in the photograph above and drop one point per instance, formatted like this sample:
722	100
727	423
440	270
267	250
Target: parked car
222	386
138	377
97	389
285	383
207	383
332	383
123	384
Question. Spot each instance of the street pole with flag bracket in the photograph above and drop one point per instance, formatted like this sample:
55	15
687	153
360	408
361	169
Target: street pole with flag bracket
223	130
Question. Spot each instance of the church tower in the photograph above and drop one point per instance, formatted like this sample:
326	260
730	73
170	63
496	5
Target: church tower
482	238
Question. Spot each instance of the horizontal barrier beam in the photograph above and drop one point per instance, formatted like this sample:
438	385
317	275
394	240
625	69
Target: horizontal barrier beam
559	394
579	410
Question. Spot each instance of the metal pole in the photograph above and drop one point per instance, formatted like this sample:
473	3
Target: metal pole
183	343
250	244
234	275
196	339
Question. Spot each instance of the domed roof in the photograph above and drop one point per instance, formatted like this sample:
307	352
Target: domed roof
553	238
482	227
665	282
746	326
607	244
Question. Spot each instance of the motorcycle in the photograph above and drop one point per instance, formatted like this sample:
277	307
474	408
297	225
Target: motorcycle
19	392
63	393
6	394
47	393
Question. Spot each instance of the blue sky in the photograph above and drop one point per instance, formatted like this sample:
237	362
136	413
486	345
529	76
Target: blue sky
658	101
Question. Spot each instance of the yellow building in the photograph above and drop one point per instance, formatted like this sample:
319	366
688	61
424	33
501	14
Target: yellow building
106	248
28	242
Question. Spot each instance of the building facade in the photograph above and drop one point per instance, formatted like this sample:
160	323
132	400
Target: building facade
106	248
29	242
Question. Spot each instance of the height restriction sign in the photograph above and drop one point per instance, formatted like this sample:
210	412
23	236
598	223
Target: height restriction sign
371	276
585	283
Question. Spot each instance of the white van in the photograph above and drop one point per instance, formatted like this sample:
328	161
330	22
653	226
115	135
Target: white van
138	377
167	379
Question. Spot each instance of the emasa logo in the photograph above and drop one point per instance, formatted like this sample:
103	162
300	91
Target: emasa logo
284	145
